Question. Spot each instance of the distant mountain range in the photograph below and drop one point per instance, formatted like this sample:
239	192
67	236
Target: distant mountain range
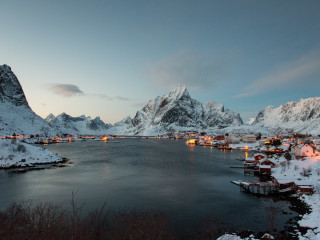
176	111
300	117
83	125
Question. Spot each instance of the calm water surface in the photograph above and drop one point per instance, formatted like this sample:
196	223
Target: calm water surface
188	184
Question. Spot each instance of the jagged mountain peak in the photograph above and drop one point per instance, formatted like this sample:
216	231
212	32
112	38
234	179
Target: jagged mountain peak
50	117
179	92
125	121
5	67
215	105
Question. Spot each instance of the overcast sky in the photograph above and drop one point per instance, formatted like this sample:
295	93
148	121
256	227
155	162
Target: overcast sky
108	58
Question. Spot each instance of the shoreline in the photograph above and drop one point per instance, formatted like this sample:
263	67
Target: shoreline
35	166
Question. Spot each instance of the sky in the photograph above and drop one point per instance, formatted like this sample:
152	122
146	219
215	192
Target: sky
109	58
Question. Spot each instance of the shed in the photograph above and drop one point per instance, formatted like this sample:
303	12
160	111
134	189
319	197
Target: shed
305	189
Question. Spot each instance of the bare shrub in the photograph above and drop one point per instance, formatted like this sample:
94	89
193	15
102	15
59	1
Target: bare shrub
306	172
296	168
21	148
93	226
136	225
317	188
46	221
284	166
26	221
287	156
212	229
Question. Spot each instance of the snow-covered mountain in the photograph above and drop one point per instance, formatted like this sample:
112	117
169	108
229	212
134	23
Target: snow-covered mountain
178	111
250	121
81	125
300	117
16	116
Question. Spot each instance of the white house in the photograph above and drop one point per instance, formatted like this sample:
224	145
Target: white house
232	140
249	138
303	150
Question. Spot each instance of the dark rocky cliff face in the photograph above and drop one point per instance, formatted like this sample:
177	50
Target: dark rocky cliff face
15	113
10	88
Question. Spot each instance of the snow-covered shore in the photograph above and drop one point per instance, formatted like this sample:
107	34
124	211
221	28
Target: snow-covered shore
304	172
14	153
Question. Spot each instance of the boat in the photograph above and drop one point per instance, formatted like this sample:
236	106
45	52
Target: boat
239	158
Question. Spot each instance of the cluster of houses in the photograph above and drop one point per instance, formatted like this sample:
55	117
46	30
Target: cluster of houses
301	146
261	164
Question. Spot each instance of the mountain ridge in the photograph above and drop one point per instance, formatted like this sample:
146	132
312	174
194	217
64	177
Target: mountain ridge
301	117
81	125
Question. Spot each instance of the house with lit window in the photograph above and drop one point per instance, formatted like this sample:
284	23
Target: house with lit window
303	150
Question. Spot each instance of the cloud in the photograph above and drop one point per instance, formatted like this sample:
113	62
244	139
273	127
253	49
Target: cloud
65	90
185	68
104	96
70	90
123	98
293	72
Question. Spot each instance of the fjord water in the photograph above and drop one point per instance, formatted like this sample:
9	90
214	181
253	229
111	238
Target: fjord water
189	184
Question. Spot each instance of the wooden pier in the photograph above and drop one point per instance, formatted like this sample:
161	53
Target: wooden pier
236	166
259	188
250	169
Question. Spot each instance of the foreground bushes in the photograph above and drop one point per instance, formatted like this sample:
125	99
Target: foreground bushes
48	221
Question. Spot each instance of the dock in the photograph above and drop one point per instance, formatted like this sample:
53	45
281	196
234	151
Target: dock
258	188
250	171
237	166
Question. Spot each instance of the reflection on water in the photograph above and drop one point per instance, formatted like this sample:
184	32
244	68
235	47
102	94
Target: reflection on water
188	183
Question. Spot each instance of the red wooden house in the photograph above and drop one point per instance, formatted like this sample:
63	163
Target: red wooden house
259	156
305	189
265	169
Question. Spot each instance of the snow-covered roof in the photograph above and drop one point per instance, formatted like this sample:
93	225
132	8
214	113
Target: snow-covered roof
267	159
265	166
